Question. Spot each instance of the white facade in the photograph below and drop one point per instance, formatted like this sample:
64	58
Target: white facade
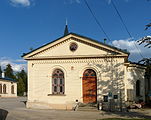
8	87
111	71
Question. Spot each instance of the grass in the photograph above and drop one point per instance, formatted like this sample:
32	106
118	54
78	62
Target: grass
121	119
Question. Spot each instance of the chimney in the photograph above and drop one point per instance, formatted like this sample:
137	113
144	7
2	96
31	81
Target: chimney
105	40
3	75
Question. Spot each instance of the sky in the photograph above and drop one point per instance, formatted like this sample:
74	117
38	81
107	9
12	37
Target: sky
26	24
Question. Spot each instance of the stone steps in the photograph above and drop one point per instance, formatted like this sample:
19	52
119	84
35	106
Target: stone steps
87	107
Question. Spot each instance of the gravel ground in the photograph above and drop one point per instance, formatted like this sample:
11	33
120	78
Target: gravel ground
14	109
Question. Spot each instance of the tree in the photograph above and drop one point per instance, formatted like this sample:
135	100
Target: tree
146	40
9	73
145	61
20	85
22	82
23	75
0	71
148	83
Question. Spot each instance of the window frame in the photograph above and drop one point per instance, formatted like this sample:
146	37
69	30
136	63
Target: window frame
12	89
105	98
4	89
58	82
138	88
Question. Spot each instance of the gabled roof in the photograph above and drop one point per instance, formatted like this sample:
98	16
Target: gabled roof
89	39
124	51
7	79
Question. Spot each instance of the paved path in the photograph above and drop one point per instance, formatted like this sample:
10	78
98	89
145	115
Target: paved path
14	109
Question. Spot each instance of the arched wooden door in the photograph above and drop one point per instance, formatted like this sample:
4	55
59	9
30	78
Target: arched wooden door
89	86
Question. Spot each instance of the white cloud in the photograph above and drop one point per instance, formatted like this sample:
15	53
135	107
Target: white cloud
72	1
109	1
17	65
134	49
24	3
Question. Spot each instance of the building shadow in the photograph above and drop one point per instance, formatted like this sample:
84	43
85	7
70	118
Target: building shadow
3	114
129	114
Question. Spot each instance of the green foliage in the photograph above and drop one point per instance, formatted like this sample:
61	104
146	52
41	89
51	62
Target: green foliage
121	119
147	63
9	72
0	71
146	39
23	76
22	82
148	72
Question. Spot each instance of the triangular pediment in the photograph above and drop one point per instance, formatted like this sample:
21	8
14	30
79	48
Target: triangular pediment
74	45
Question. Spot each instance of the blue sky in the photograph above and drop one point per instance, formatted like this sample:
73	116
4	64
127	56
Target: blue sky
32	23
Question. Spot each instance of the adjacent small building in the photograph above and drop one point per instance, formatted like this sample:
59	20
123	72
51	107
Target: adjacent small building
8	87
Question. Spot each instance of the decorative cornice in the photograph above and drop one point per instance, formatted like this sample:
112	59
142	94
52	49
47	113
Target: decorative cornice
77	60
76	57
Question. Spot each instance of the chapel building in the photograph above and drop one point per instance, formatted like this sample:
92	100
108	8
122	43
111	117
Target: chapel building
77	68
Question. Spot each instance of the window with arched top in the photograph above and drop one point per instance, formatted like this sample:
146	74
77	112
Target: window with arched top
58	86
4	88
138	88
12	89
0	88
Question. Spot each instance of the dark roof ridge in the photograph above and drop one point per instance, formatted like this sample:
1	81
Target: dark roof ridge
8	79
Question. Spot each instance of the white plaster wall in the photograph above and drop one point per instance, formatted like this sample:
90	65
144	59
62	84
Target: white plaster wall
63	50
109	75
8	89
132	75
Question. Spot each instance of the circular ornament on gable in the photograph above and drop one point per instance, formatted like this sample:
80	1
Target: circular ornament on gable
73	47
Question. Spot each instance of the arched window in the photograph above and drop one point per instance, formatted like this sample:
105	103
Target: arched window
137	88
4	88
12	89
0	88
58	82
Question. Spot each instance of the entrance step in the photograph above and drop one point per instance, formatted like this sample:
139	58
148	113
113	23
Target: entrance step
87	107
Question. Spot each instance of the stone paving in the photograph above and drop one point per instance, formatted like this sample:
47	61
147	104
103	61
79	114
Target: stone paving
14	109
